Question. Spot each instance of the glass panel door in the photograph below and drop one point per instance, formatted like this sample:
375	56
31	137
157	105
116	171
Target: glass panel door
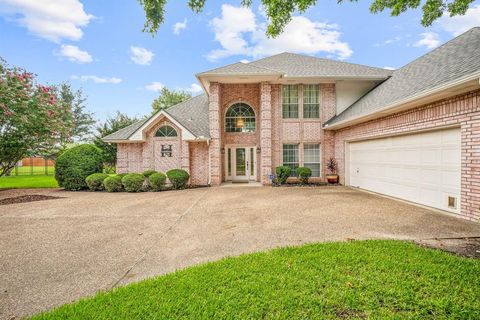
240	157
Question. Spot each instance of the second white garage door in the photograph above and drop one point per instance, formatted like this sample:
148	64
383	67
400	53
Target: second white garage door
422	167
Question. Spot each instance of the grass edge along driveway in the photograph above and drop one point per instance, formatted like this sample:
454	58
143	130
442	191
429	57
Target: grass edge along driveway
359	279
27	182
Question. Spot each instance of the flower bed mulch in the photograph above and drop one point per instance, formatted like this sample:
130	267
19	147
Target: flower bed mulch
26	198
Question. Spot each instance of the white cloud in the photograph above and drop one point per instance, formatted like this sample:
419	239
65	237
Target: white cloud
141	56
75	54
239	33
53	20
244	61
428	39
194	88
96	79
389	68
389	41
179	26
459	24
155	86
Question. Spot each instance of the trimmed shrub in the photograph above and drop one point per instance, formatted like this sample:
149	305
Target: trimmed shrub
304	174
113	183
283	173
133	182
148	173
157	181
95	181
75	164
121	175
178	178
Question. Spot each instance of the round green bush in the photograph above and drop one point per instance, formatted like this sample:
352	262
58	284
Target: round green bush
95	181
283	173
113	183
178	178
121	175
304	174
133	182
148	173
157	181
75	164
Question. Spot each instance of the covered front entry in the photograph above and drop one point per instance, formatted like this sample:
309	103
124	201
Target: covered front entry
240	163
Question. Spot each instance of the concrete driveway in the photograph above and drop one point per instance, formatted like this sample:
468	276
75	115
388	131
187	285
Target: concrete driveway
57	251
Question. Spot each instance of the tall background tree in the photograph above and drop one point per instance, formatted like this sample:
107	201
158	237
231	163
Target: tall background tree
112	124
31	118
168	98
279	12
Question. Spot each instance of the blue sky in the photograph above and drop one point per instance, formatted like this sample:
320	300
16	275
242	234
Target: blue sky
99	46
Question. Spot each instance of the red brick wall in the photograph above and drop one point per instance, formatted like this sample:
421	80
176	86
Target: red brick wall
198	163
462	111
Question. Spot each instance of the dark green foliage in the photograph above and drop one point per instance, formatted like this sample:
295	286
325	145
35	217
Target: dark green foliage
95	181
283	173
133	182
304	174
279	12
178	178
148	173
157	181
111	125
168	98
75	164
338	280
113	183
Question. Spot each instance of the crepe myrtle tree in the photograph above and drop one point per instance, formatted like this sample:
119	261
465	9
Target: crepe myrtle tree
279	12
30	116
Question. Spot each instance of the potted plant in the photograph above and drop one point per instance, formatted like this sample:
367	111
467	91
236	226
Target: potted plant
332	167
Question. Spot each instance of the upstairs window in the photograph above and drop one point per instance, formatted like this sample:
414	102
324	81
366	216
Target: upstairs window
240	117
166	131
311	105
290	101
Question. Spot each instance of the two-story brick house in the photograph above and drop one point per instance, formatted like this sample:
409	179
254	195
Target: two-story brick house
412	133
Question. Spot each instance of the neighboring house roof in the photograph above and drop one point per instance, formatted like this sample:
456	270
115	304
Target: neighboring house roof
192	114
297	65
458	58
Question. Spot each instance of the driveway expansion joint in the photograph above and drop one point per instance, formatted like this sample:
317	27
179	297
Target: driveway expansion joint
170	228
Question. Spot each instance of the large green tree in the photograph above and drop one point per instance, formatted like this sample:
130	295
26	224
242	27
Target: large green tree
111	125
279	12
30	116
168	98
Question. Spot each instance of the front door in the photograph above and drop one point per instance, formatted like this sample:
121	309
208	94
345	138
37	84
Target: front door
240	163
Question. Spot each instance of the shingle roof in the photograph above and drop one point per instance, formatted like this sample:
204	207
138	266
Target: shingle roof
297	65
192	114
125	133
457	58
240	68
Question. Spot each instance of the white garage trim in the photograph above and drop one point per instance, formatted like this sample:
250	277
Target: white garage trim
422	167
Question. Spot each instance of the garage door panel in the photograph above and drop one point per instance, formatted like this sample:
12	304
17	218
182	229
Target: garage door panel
423	167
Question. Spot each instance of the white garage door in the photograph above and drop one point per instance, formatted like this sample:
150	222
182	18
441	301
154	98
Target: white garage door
422	167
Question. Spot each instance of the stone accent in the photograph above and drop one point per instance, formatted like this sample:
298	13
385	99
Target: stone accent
215	134
462	111
265	132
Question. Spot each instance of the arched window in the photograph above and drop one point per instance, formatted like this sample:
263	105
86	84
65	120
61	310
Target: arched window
166	131
240	117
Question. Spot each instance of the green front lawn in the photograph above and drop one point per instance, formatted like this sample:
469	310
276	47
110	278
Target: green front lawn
360	279
23	182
